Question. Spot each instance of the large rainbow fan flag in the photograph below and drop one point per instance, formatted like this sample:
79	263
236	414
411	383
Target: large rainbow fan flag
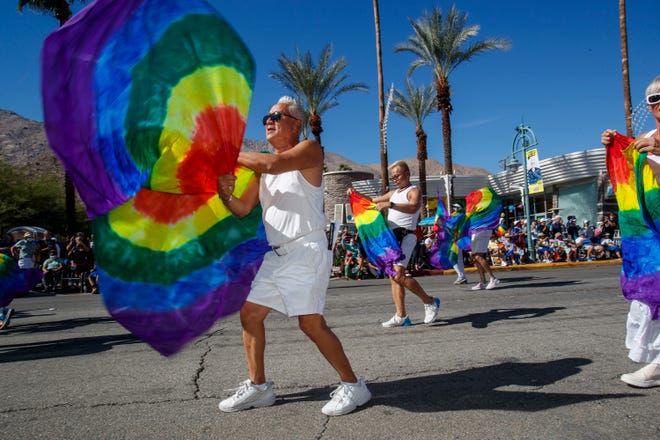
145	104
638	196
15	281
444	252
483	208
378	240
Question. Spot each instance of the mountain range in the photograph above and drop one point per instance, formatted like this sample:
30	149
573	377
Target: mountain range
23	145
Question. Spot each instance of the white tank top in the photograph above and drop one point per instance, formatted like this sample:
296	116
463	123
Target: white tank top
292	207
398	219
652	157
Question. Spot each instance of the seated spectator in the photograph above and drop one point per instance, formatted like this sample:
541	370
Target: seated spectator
350	266
511	251
543	248
559	248
52	269
495	250
583	245
610	247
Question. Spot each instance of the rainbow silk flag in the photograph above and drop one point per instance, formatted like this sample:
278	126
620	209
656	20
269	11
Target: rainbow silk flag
15	281
378	240
483	208
145	104
444	252
638	196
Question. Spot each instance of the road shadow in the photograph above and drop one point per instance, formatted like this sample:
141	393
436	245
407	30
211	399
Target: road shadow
476	389
52	326
63	347
481	320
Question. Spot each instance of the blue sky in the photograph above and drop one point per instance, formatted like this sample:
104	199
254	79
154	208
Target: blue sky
562	75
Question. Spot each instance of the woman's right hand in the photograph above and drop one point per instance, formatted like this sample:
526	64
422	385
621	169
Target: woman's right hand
607	137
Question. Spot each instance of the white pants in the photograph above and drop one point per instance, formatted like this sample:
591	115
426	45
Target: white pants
643	334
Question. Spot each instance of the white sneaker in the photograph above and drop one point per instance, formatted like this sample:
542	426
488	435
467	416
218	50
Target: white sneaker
460	280
248	396
479	286
646	377
431	311
492	283
397	321
346	398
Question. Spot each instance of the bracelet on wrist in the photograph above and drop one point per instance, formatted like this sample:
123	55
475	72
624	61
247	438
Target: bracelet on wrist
231	197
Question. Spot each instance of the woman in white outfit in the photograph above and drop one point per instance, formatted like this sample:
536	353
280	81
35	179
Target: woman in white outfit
643	332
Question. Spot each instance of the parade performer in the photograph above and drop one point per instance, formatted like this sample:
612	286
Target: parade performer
14	281
145	103
634	169
295	274
404	205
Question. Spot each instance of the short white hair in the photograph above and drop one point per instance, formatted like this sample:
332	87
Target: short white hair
293	108
654	87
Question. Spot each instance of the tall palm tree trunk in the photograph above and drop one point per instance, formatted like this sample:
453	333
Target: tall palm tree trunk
627	102
422	155
444	106
384	183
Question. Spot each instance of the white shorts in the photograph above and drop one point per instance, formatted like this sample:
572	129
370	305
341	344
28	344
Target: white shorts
407	247
479	244
643	334
295	282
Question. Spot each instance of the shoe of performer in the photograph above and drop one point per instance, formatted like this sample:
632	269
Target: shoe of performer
479	286
646	377
247	396
460	280
5	317
397	321
492	284
431	311
346	398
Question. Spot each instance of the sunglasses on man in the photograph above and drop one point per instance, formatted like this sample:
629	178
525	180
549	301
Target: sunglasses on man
276	116
653	98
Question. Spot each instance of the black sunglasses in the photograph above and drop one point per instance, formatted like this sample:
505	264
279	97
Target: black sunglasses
653	98
276	116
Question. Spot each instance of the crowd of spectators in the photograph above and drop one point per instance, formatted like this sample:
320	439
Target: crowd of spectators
67	262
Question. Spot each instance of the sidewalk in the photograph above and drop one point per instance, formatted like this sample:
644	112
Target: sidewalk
530	266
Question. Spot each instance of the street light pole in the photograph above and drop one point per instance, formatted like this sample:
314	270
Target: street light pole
524	140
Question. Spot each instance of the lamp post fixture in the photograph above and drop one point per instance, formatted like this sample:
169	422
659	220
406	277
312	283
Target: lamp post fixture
523	141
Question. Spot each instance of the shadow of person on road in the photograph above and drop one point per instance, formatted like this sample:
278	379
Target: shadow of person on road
481	320
63	347
477	388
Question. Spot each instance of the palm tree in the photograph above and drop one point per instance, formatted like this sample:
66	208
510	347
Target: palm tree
627	101
381	105
416	106
61	10
316	86
442	45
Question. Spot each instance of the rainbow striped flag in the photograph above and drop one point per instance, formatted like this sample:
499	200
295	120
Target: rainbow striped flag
380	244
638	196
145	104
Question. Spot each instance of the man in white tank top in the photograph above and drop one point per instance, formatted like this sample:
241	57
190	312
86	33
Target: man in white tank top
294	276
404	205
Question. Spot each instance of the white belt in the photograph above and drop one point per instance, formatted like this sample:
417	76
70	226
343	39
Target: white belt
285	248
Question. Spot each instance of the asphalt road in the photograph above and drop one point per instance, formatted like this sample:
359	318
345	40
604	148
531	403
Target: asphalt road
537	358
